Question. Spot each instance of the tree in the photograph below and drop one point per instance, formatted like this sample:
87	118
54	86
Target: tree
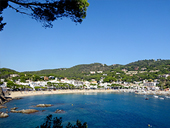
47	11
12	85
35	78
168	78
55	122
1	83
22	79
109	79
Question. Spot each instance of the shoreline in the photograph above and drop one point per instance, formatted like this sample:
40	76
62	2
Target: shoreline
35	93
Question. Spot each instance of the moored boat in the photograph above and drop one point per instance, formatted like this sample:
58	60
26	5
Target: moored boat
167	96
156	96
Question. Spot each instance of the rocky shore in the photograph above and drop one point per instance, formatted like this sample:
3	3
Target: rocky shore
4	99
25	111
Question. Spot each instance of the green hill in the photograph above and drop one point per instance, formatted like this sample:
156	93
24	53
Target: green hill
75	70
4	72
148	64
83	70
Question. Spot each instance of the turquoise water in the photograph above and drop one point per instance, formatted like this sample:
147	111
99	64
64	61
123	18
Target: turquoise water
99	110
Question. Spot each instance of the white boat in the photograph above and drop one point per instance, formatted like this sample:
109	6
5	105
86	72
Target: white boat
156	96
161	98
167	96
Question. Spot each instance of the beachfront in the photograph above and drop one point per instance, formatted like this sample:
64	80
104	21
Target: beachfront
33	93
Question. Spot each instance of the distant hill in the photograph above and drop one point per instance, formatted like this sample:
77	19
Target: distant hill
7	71
149	64
79	71
75	70
4	72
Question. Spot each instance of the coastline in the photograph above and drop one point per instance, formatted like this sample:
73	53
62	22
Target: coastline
35	93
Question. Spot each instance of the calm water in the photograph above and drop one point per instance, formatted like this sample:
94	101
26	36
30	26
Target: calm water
99	110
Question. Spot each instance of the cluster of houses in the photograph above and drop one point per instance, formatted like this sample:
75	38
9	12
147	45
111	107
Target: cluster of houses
93	84
136	72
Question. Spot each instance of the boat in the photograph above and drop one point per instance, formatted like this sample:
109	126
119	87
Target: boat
167	96
161	98
156	96
147	98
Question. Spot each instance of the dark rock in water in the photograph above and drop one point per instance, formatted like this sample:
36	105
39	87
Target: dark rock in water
14	108
44	105
2	107
3	115
17	98
25	111
59	111
14	111
146	98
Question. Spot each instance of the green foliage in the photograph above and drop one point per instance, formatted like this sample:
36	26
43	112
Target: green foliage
5	72
79	71
49	84
37	88
35	78
55	122
168	78
117	85
47	11
1	83
109	79
11	85
15	78
93	84
149	64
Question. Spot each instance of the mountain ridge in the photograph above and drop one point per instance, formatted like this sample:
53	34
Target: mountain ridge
86	68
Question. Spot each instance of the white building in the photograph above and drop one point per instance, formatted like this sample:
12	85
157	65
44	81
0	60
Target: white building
149	84
14	75
74	82
92	72
165	75
105	85
38	83
99	71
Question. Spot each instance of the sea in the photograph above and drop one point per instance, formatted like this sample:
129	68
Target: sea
99	110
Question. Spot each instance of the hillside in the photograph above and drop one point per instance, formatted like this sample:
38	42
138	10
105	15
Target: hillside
75	70
148	64
80	71
4	72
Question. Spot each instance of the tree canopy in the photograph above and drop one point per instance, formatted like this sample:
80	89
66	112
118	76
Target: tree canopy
54	122
47	11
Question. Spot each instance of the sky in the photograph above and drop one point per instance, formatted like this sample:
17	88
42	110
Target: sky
113	32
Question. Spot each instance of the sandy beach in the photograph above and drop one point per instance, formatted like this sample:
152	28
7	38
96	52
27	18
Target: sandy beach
33	93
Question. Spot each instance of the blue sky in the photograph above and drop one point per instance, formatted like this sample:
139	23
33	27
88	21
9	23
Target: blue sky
114	32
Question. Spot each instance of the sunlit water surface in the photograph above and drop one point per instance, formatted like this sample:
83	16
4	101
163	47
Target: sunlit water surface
99	110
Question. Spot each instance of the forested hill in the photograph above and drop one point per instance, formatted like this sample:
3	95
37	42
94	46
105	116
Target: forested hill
84	69
4	72
148	64
7	71
78	69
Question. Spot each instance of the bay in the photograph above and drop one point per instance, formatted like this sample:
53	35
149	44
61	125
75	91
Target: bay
99	110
